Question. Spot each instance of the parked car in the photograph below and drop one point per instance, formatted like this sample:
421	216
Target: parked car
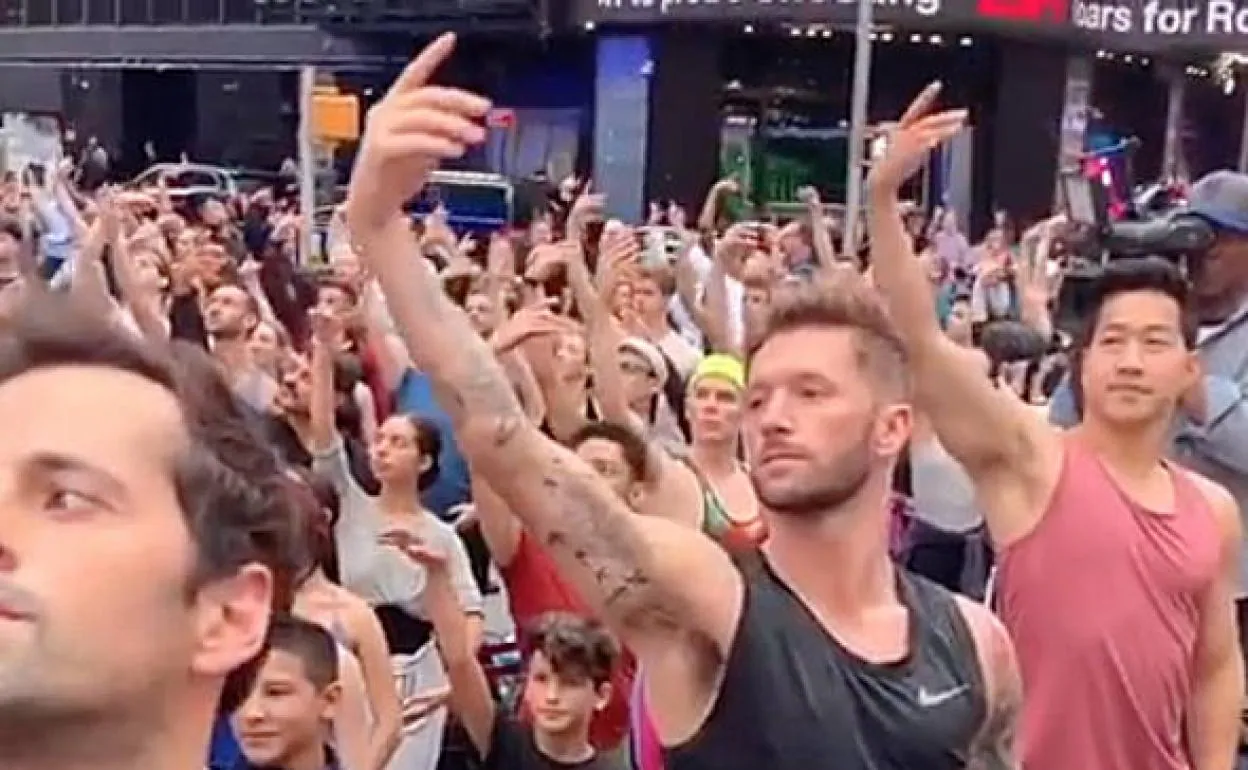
191	181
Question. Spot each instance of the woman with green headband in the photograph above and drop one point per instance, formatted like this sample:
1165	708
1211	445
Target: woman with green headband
713	407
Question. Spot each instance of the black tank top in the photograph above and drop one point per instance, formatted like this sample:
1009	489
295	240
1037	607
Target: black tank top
793	698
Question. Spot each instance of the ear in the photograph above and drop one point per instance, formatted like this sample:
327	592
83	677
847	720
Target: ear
893	425
426	462
636	495
331	701
1194	372
232	620
603	691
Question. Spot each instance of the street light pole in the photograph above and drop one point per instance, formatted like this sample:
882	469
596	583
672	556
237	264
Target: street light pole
307	163
858	126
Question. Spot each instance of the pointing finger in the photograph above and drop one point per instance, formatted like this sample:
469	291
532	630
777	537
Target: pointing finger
447	99
441	124
417	74
921	104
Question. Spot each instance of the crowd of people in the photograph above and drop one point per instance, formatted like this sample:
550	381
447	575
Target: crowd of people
755	500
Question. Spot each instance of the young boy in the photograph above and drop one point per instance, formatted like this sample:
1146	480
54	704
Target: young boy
285	723
566	681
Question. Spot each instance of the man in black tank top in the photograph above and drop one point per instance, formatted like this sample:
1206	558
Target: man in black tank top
820	654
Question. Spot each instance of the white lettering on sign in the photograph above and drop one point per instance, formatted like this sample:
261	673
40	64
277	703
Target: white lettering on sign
920	7
1225	17
1164	18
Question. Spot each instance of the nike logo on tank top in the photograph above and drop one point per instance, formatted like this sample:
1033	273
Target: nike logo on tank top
793	698
1102	601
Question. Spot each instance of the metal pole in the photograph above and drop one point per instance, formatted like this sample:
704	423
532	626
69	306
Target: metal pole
858	126
1243	139
1171	148
307	162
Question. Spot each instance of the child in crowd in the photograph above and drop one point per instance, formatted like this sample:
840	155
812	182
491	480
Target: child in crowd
567	680
286	721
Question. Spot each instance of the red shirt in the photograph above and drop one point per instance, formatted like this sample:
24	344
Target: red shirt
535	588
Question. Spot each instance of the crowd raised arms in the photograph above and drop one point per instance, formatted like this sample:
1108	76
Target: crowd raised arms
681	495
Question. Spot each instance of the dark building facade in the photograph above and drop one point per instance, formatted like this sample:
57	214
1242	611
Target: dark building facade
1043	79
639	92
218	79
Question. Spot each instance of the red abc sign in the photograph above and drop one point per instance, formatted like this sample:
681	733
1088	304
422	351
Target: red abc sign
1048	11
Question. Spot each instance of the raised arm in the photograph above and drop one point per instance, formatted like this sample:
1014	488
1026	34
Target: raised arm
1011	454
633	569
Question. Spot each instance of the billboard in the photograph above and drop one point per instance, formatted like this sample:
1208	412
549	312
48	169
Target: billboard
1142	25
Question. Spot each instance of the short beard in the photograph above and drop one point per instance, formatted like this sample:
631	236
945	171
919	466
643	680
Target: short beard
831	484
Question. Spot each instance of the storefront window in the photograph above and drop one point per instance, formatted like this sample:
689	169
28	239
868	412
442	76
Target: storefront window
203	11
242	11
135	11
280	11
38	13
101	12
167	11
68	11
10	13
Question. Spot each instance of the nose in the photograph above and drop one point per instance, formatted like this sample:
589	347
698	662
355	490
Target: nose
773	415
1131	360
252	710
552	692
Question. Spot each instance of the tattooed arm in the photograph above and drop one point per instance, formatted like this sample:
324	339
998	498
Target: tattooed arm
993	746
634	569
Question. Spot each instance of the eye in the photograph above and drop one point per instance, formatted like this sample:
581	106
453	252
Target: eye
67	500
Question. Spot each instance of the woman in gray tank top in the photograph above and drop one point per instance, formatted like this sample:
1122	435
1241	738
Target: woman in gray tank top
946	543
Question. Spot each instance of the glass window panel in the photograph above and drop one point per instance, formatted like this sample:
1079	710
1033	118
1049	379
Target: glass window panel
203	11
101	12
278	11
135	11
38	13
69	11
242	11
166	11
10	13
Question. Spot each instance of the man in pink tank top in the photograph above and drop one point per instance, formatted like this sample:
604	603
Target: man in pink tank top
1117	569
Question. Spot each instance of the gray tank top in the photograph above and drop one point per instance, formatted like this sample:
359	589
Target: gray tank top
944	496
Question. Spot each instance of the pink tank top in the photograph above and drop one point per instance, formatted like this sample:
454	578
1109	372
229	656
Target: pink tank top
1102	601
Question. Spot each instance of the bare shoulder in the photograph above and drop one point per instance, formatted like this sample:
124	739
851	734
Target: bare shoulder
992	641
993	745
1221	502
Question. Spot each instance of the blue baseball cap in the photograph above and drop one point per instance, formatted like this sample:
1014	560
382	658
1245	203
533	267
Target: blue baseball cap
1221	198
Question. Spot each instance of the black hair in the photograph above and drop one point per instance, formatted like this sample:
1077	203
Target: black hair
1130	276
632	446
429	442
319	506
228	483
574	646
310	643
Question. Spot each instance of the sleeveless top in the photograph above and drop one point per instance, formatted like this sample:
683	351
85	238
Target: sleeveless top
1102	601
733	535
793	698
719	525
944	495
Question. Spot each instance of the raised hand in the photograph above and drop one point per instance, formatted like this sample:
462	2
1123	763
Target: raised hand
530	323
426	554
919	131
409	132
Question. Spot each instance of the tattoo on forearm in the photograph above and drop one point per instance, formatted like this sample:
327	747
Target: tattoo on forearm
993	747
589	525
606	546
